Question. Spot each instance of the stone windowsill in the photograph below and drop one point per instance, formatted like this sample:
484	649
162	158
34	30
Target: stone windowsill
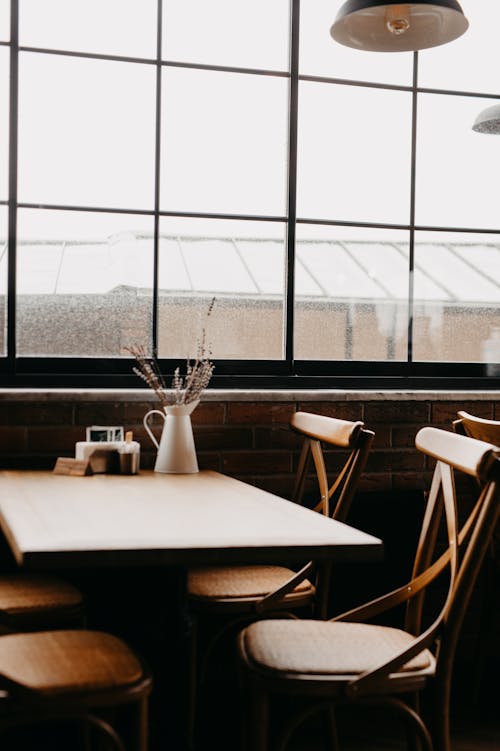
243	395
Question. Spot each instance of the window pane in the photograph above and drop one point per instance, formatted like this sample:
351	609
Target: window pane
457	293
86	132
457	169
320	55
351	287
353	153
242	265
240	33
84	283
470	63
4	123
5	20
3	278
224	142
113	27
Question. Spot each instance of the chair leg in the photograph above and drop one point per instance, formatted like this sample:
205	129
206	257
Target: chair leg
331	729
413	722
257	721
192	697
140	742
413	740
441	715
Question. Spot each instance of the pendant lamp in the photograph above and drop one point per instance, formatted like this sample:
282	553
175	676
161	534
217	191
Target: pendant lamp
488	121
392	26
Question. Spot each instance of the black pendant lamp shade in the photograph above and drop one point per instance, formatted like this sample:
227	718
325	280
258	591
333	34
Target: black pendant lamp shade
392	26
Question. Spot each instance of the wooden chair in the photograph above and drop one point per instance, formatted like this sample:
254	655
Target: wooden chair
487	640
347	660
31	602
477	427
249	592
73	675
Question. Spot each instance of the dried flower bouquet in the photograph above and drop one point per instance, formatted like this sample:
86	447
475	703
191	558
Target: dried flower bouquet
186	388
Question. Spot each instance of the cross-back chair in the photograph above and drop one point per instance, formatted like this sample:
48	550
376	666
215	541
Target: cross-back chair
249	592
67	675
487	640
32	602
478	427
347	660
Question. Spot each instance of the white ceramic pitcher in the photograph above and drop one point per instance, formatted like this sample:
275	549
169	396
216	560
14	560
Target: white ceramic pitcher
176	450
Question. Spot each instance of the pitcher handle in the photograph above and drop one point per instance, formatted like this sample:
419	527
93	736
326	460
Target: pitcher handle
148	429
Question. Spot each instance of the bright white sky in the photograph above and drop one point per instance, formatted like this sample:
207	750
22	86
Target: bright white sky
87	127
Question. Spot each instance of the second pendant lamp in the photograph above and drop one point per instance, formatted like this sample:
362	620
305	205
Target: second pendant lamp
391	26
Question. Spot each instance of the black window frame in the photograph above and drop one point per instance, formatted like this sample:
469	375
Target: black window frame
287	373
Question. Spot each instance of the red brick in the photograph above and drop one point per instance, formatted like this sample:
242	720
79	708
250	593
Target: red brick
49	440
223	438
411	480
280	437
281	486
394	461
256	462
396	412
443	413
209	413
100	413
209	460
36	413
12	440
134	411
383	437
260	413
374	483
341	410
404	436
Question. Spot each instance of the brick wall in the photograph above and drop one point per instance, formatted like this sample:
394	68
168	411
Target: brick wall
247	439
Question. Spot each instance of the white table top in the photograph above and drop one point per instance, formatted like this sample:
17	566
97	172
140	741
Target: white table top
56	521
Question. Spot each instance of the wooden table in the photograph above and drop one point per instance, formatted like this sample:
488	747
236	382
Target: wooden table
55	521
134	537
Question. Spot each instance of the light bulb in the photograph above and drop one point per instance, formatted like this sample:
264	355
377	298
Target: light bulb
397	18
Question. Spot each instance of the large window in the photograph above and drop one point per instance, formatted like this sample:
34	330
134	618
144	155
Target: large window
337	203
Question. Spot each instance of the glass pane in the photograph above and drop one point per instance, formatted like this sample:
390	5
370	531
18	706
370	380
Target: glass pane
239	33
353	153
113	27
242	265
457	168
470	63
320	55
4	123
457	294
84	283
224	142
351	287
86	132
3	278
5	20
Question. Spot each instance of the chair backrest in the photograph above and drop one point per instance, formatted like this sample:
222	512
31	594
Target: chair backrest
477	427
352	439
462	557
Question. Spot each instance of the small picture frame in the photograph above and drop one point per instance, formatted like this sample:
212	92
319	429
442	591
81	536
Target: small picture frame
104	433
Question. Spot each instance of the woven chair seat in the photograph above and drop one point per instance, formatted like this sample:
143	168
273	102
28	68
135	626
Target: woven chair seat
21	594
241	581
53	663
326	648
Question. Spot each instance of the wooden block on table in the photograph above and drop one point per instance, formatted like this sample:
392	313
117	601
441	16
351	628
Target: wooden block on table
68	466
